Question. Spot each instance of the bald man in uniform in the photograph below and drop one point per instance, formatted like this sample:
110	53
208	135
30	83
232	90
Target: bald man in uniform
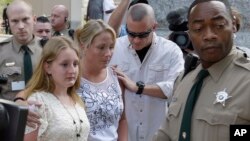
21	21
59	21
224	97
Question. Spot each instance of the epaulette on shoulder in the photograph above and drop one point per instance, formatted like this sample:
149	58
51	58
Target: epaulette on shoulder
243	60
5	41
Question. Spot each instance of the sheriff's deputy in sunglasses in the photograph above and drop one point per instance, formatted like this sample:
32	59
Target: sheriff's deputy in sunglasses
150	65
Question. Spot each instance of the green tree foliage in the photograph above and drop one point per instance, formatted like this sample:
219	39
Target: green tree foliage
3	3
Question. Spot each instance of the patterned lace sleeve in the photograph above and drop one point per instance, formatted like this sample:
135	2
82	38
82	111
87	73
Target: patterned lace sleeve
42	111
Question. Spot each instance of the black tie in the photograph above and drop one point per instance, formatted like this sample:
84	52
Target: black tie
57	33
185	132
27	63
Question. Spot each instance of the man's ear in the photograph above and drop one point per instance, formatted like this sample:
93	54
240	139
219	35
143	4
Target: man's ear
155	26
234	25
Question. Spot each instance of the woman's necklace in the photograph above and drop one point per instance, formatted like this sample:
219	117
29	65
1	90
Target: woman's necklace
78	130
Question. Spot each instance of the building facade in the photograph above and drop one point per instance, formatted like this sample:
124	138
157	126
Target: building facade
77	9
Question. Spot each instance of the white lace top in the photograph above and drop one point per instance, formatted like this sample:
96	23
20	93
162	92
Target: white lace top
104	107
56	122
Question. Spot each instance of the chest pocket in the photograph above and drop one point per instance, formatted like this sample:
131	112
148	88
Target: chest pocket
212	117
10	74
174	110
157	72
173	119
215	123
127	69
11	70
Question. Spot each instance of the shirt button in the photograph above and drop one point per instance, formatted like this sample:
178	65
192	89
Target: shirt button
142	138
184	135
140	123
174	99
141	110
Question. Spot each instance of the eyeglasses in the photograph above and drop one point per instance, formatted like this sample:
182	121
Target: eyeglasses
139	35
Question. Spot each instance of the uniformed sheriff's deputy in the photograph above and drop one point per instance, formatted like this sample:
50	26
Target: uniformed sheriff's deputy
59	21
225	93
21	21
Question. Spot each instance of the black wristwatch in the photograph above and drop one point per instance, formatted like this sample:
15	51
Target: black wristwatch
140	86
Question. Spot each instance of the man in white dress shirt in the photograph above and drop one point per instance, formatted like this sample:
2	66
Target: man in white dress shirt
150	65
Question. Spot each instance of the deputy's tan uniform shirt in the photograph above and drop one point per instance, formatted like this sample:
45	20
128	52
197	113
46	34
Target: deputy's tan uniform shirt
11	64
64	32
211	120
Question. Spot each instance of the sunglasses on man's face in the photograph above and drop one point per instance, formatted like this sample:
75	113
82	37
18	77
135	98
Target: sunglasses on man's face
139	35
